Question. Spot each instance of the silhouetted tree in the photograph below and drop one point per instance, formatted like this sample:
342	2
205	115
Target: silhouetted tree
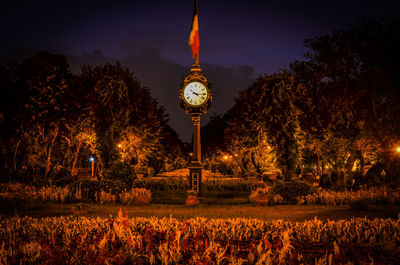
277	116
49	117
121	110
351	90
41	84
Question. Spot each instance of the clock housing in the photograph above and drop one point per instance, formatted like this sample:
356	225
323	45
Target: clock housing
195	92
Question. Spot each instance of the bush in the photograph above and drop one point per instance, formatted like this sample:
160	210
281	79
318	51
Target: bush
91	188
222	168
62	177
106	197
231	185
358	178
261	196
115	186
136	196
325	181
291	190
373	176
86	188
337	180
164	184
373	195
21	192
120	171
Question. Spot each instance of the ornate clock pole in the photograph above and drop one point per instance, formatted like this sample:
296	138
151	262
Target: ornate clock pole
195	98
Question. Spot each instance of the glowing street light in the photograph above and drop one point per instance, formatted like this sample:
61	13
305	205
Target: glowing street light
226	157
91	159
398	149
122	151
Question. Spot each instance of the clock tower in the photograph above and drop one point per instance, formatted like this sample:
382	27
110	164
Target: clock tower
195	98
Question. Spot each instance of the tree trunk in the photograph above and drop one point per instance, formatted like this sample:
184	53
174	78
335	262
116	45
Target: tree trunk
350	162
245	161
318	161
388	160
100	166
15	155
255	164
362	161
48	161
76	157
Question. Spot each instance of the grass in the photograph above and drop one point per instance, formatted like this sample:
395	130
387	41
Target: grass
214	204
285	212
209	197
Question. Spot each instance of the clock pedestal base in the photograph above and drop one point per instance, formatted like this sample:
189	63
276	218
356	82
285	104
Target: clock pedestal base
195	165
195	177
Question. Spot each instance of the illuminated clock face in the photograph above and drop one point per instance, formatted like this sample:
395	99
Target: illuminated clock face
195	93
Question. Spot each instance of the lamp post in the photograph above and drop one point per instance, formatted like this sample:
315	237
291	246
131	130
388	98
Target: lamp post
91	159
122	148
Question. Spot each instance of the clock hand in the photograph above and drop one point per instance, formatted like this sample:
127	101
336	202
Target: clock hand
194	93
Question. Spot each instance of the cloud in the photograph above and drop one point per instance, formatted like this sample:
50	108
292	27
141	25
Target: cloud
95	57
163	77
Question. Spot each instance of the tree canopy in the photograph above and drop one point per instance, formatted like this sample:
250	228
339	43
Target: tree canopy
52	120
337	109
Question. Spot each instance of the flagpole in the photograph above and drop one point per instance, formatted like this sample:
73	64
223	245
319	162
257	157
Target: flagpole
198	54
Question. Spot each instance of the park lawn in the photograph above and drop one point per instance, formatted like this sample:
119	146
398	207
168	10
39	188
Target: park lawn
209	197
284	212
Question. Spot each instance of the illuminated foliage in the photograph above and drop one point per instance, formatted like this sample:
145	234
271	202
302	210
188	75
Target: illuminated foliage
40	88
251	153
136	145
351	92
128	122
52	121
264	125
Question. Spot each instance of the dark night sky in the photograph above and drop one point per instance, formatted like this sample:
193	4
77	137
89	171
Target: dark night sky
239	40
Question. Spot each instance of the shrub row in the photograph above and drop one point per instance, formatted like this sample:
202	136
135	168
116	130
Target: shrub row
298	192
179	184
372	195
282	192
22	193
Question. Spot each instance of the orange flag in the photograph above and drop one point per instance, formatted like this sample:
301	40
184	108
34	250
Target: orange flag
194	39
